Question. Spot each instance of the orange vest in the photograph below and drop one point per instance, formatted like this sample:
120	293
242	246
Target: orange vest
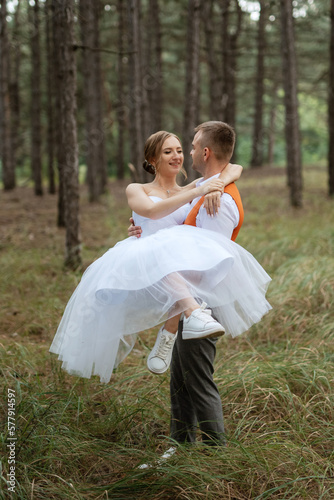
232	190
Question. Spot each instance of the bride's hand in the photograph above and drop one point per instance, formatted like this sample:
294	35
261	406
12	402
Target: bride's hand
208	187
212	202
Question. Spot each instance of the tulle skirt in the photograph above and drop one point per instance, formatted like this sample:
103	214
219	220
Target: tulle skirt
141	282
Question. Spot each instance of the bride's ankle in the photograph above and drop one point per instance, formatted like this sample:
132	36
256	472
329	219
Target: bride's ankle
190	310
169	331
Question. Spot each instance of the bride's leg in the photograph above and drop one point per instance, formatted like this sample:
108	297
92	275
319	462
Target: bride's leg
172	324
197	323
189	305
184	300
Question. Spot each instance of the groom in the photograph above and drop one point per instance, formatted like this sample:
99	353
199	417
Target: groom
194	395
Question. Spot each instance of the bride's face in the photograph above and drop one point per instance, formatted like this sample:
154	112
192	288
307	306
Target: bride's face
171	157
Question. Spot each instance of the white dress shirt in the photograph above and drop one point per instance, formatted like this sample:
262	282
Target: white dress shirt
227	218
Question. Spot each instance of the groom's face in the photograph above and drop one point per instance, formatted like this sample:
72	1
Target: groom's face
197	154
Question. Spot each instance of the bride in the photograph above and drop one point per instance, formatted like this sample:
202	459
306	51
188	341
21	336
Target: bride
142	282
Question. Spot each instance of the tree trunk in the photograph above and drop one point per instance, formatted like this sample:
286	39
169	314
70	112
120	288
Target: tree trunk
154	78
50	104
36	160
226	56
231	111
102	158
331	109
230	49
215	111
120	91
8	172
135	88
257	149
66	69
145	59
272	125
192	84
14	88
60	153
95	136
294	166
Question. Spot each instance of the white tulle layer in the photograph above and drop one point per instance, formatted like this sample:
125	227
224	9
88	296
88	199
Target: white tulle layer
141	282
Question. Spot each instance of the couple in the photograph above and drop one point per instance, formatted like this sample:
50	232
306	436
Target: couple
141	282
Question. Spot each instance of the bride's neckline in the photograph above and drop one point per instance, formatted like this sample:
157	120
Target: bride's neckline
169	192
154	196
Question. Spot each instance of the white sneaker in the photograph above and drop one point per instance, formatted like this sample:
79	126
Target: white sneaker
160	357
169	453
201	325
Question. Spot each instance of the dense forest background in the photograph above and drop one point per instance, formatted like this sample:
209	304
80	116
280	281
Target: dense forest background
155	34
84	83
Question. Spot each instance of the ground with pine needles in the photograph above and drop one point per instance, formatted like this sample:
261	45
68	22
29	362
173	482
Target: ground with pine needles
80	439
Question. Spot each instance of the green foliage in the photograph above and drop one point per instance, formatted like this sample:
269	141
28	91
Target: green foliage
312	33
80	439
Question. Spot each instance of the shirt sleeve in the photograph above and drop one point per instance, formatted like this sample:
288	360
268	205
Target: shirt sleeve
225	221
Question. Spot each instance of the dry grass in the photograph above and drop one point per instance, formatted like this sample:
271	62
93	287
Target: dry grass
79	439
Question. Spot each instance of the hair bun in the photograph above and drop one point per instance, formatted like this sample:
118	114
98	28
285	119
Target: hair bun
149	167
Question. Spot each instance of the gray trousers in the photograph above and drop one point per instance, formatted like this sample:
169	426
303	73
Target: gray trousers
194	395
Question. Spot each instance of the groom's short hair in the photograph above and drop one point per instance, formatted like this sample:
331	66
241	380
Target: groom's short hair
219	137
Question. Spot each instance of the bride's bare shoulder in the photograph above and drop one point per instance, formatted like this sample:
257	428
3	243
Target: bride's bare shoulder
136	187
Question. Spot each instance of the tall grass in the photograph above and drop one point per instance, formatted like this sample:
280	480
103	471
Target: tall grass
79	439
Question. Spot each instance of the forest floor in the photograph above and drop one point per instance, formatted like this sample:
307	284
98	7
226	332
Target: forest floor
80	439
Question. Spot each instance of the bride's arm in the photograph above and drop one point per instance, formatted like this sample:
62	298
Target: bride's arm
141	203
231	173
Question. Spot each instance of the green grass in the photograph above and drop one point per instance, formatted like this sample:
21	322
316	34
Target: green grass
80	439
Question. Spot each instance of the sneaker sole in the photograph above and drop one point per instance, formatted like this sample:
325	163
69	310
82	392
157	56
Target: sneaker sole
157	372
215	333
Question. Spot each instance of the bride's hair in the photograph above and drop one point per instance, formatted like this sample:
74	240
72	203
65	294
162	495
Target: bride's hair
152	150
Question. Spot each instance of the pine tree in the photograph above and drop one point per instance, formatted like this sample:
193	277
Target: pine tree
292	134
64	38
8	172
191	109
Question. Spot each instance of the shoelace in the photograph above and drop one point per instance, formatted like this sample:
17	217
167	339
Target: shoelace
202	310
164	347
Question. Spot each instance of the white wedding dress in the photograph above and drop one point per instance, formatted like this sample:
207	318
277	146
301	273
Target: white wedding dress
140	282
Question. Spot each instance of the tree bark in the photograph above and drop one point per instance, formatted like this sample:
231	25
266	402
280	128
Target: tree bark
135	88
272	125
191	109
144	48
120	91
95	135
50	103
154	78
331	108
36	160
8	172
66	73
257	147
14	88
294	166
215	111
230	48
60	153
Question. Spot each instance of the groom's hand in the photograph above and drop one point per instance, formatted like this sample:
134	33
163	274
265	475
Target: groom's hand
212	202
134	230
